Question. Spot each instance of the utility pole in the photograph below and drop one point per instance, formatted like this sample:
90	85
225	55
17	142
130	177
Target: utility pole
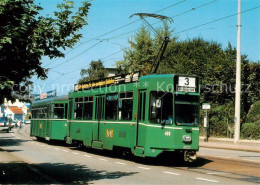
238	77
130	43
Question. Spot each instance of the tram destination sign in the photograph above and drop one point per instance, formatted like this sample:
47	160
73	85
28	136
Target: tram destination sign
186	84
115	80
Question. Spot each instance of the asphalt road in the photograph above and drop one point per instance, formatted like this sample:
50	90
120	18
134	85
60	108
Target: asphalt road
24	160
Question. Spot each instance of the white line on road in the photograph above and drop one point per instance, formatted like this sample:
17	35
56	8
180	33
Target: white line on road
171	173
32	142
75	153
222	157
43	145
209	180
56	149
214	173
102	159
65	151
249	160
48	146
120	163
87	155
143	168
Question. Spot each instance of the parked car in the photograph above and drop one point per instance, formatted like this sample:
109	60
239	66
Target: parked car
4	125
27	121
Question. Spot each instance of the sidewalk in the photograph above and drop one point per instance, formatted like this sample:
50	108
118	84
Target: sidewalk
226	143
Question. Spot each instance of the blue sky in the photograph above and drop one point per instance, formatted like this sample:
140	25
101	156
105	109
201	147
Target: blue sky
105	16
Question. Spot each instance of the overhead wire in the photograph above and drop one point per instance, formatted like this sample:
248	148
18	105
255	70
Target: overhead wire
194	27
182	13
96	38
179	14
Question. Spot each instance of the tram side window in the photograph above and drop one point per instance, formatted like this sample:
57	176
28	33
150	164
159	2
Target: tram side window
88	108
161	107
66	111
125	106
58	112
43	112
111	106
34	111
78	109
37	112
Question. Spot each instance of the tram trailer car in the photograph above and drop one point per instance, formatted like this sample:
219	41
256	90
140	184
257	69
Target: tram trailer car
49	118
149	116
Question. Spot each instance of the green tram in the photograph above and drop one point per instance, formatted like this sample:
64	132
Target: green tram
49	118
146	116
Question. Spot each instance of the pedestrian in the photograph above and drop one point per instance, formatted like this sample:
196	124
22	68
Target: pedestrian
19	125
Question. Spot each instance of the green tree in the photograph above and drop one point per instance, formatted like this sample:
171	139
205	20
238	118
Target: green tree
144	48
26	37
95	71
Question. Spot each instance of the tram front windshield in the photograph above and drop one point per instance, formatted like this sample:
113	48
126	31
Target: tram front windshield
186	109
161	107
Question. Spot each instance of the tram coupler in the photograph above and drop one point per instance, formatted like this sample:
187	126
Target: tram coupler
190	156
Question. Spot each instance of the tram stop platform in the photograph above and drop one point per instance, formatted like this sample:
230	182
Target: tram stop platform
227	143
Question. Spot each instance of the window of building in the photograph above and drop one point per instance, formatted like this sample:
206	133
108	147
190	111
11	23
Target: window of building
88	108
161	107
111	106
125	106
78	109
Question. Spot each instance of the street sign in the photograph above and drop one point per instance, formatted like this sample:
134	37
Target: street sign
205	106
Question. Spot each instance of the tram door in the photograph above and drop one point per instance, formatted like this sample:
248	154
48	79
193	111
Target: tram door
69	116
141	116
99	116
49	119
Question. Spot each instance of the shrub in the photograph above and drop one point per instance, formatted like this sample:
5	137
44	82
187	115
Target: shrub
253	115
250	131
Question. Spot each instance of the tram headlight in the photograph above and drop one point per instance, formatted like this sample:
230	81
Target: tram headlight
186	138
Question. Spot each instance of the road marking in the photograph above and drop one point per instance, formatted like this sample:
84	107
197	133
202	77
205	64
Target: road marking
56	149
102	159
87	155
249	160
65	151
216	173
48	146
143	168
171	173
75	153
12	134
43	145
32	142
222	157
209	180
120	163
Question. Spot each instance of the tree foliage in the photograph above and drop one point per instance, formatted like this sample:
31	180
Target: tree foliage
26	37
95	71
144	50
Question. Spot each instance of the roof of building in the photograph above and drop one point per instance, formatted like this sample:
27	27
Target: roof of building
16	110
